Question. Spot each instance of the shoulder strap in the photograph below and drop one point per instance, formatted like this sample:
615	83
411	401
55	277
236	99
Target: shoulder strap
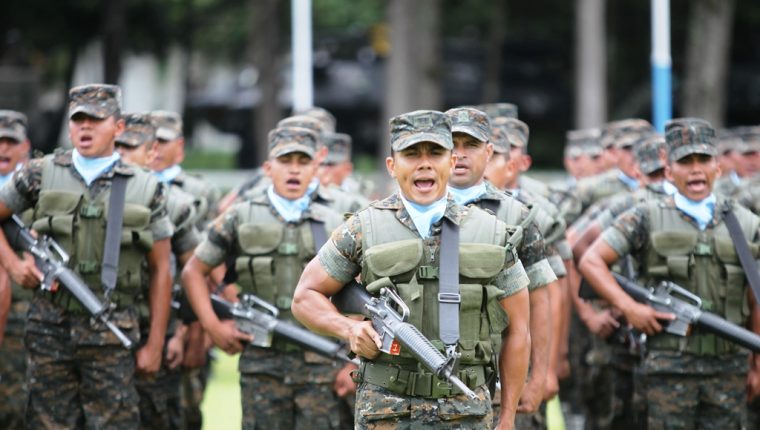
491	205
318	233
742	249
114	223
448	286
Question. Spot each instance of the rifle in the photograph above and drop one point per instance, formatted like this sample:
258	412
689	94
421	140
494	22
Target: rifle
686	306
51	259
392	327
256	317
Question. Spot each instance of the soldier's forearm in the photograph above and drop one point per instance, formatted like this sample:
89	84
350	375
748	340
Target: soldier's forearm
318	314
513	368
540	334
160	302
194	283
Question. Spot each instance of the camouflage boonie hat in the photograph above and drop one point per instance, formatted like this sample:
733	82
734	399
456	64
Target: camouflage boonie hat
500	139
686	136
470	121
287	140
168	124
420	126
499	110
139	130
13	125
95	100
323	115
338	148
648	154
583	141
303	121
518	132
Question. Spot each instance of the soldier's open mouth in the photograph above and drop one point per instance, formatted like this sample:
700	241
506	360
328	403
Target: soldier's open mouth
460	169
424	185
4	161
696	185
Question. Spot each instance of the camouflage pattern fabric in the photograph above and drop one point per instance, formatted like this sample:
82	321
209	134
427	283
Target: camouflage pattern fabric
420	126
139	130
13	125
518	132
95	100
13	369
686	136
287	140
324	116
380	409
168	124
193	383
304	121
338	148
470	121
649	154
206	196
160	398
499	110
598	187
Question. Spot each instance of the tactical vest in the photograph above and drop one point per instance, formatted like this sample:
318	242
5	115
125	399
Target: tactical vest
393	251
67	212
705	263
271	255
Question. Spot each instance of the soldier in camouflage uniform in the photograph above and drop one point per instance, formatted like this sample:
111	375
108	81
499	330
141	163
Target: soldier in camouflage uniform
582	154
270	238
473	147
406	228
14	300
745	161
697	381
79	373
160	393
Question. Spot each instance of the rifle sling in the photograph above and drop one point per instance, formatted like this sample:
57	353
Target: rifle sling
745	255
114	222
318	233
448	285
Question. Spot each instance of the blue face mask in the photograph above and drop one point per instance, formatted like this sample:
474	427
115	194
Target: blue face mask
290	210
463	196
424	216
167	175
669	188
701	211
91	168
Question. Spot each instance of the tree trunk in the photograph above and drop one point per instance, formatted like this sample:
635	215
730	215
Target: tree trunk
707	52
413	70
264	43
496	33
590	64
114	37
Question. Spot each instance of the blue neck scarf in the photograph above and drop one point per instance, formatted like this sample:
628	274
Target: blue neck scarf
463	196
313	185
424	216
6	178
514	192
735	178
669	188
167	175
701	211
91	168
290	210
629	182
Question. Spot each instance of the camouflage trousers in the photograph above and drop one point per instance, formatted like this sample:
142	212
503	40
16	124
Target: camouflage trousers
685	391
380	409
192	387
610	403
159	393
13	369
79	386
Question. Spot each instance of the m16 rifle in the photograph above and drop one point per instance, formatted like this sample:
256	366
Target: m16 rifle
51	260
394	330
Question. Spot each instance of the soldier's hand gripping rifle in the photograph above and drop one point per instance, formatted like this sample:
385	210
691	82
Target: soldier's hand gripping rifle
686	306
51	260
258	318
393	327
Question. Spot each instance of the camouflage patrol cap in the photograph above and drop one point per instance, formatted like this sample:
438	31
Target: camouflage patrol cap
649	152
518	132
13	125
499	139
338	148
420	126
499	110
626	132
686	136
750	137
323	115
470	121
168	124
583	141
729	140
303	121
139	130
287	140
95	100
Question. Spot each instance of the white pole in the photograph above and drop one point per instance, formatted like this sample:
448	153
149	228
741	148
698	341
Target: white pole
662	105
303	85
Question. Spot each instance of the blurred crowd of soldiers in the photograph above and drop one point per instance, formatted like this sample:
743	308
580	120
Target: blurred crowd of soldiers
646	205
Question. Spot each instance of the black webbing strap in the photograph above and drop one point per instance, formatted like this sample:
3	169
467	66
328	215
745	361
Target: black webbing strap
448	284
745	255
491	205
318	233
114	222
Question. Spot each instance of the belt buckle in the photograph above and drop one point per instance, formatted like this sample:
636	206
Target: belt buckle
449	298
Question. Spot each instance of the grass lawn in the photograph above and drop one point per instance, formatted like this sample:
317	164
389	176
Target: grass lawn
221	404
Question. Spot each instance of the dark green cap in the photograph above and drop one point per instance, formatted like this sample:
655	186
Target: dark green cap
420	126
13	125
287	140
139	130
686	136
338	148
648	154
470	121
95	100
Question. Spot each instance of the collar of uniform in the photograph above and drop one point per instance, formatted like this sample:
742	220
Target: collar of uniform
322	195
492	193
64	158
315	211
454	212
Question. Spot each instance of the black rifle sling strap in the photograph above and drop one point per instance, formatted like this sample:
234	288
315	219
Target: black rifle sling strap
448	284
114	222
742	249
491	205
318	233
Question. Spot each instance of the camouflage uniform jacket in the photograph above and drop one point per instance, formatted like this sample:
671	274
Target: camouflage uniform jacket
597	187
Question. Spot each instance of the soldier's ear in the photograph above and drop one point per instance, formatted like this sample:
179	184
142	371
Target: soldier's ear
267	168
389	163
668	173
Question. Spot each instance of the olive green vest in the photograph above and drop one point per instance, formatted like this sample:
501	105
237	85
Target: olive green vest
705	263
67	212
391	250
271	254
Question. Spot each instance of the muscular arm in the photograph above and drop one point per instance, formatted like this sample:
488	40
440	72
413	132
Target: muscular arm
515	354
540	335
149	356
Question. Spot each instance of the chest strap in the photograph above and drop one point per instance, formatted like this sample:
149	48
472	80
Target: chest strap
114	222
318	233
448	286
742	249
